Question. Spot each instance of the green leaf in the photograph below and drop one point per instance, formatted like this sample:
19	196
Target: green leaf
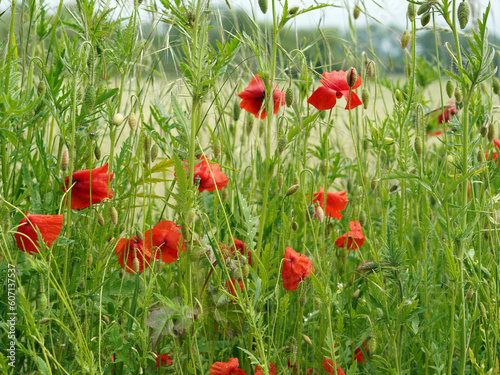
42	366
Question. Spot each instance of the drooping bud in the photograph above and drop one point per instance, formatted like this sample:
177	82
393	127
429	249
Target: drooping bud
137	266
418	146
154	152
224	194
282	142
355	295
292	190
411	12
236	111
450	88
491	133
320	214
41	88
356	12
423	8
373	183
366	144
132	121
328	230
64	160
426	18
405	39
289	97
89	99
105	318
113	213
117	119
280	180
295	225
458	95
480	156
293	10
362	218
496	85
307	339
463	14
365	97
311	210
216	148
483	131
139	235
100	220
370	68
263	5
352	76
470	293
97	152
323	167
44	320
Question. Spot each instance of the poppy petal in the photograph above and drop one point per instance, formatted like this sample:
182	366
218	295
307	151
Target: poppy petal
323	98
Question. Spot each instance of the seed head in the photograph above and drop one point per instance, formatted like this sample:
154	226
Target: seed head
483	131
42	302
373	183
44	320
412	11
470	293
366	145
249	123
289	97
263	6
105	318
117	119
463	14
365	97
356	12
89	99
292	190
426	18
355	295
97	152
132	121
310	212
352	76
224	194
113	213
236	111
450	88
405	39
496	85
418	146
190	216
370	68
246	270
458	95
139	235
216	146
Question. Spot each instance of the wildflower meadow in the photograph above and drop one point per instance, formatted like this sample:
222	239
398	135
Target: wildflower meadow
201	187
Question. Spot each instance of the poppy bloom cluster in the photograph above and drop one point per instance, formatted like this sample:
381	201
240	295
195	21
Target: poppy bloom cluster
26	235
355	237
335	86
226	368
296	267
162	359
254	95
335	202
90	186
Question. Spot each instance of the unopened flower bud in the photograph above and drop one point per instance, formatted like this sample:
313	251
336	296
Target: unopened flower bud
411	12
246	270
356	12
307	339
100	220
311	210
463	14
137	266
113	213
480	156
282	142
450	88
366	144
320	214
139	235
105	318
426	18
373	183
280	180
293	10
236	111
216	148
369	265
89	99
190	216
399	95
352	76
482	308
292	190
263	5
97	152
424	8
44	320
41	88
496	85
295	225
323	167
405	39
470	293
370	68
365	98
302	298
355	295
458	95
154	152
362	218
132	122
249	123
388	141
296	179
418	146
224	194
483	131
289	97
491	133
64	160
117	119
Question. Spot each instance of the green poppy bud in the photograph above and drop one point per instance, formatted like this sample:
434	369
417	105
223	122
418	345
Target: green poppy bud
450	88
496	85
362	218
292	190
97	152
423	8
263	5
405	39
323	167
113	213
411	12
458	95
356	12
282	142
295	225
64	160
236	111
293	10
426	18
365	98
480	156
483	131
216	148
366	144
41	88
154	152
355	295
100	220
132	122
373	183
307	339
418	146
491	133
463	14
289	97
89	99
280	180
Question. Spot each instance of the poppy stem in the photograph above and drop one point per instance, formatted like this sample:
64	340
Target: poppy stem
133	304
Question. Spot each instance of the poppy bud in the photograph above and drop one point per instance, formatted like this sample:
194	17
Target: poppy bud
280	180
310	212
394	188
105	318
292	190
458	95
132	121
190	216
426	18
365	97
117	119
147	151
329	230
355	295
352	76
137	266
224	193
64	160
303	297
139	235
307	339
41	88
42	302
89	99
296	179
236	111
484	313
423	8
320	214
44	320
6	228
323	167
362	218
356	12
496	85
97	152
100	220
470	293
249	123
293	10
90	259
399	95
154	152
463	14
113	213
450	88
388	141
369	265
370	68
480	156
349	186
491	133
263	5
373	183
411	12
366	144
295	225
216	148
246	270
418	146
282	142
483	131
405	39
289	97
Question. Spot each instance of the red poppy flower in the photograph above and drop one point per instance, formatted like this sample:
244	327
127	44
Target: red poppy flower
449	112
358	354
496	142
160	360
334	87
90	186
296	267
127	249
272	369
255	94
241	247
26	235
226	368
335	202
328	366
203	172
231	285
355	237
164	241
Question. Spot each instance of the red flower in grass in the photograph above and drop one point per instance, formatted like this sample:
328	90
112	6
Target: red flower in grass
226	368
272	369
231	285
447	114
129	249
358	353
328	366
355	237
203	172
334	86
255	94
164	241
26	235
496	142
296	267
90	186
335	202
161	359
242	248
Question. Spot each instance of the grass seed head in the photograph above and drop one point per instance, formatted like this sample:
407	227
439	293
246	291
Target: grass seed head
280	180
216	146
491	133
399	96
463	14
42	302
236	111
450	88
246	270
137	266
470	293
89	99
249	123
